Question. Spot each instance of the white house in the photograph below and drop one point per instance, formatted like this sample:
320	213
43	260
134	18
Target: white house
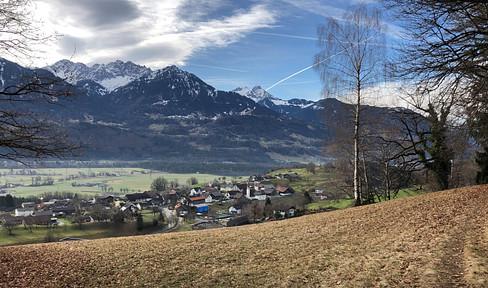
24	211
196	192
236	208
285	210
214	197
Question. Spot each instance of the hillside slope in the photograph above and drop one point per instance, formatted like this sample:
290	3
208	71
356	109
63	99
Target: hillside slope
432	240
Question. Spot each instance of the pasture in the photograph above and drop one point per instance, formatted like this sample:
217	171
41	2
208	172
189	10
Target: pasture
118	181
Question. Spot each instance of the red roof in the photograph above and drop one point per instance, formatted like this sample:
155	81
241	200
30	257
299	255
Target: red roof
281	189
197	198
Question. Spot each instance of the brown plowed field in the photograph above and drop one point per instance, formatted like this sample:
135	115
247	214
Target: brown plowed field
433	240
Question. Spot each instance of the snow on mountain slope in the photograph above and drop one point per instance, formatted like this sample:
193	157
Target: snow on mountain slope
257	94
261	96
110	76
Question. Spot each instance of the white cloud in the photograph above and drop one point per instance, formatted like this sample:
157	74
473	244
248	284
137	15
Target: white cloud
154	33
386	94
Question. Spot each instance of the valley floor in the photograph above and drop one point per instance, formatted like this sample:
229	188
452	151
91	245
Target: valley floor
432	240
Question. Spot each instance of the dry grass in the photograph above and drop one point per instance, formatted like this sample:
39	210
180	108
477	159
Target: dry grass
432	240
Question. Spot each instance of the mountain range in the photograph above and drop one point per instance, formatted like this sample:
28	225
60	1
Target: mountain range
130	112
297	108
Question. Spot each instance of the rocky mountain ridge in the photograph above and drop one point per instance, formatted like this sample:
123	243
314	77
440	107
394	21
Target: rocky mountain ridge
298	108
172	114
110	76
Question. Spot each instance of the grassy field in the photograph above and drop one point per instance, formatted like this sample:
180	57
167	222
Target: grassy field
330	204
308	181
133	179
345	203
322	179
432	240
39	234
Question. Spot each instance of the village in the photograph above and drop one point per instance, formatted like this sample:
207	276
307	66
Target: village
215	204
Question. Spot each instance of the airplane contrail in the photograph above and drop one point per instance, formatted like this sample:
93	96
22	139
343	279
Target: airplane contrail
304	69
315	64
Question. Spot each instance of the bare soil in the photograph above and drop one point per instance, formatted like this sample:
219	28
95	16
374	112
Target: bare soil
433	240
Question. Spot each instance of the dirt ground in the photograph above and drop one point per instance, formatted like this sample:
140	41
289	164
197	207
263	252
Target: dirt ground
433	240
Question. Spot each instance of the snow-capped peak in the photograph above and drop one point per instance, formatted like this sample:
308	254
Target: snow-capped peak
262	97
111	75
257	93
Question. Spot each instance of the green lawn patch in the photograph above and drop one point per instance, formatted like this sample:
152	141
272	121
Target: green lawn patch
30	235
330	204
121	181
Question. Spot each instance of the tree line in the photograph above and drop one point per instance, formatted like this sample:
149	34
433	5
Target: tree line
439	67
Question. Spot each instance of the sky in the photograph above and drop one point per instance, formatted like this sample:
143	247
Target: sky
227	43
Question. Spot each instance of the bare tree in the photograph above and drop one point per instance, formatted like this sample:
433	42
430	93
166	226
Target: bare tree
9	226
429	127
26	133
20	33
268	208
99	213
159	184
79	216
254	210
393	160
447	53
350	61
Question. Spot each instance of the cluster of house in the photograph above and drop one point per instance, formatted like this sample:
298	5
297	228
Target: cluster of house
183	200
48	212
31	214
240	195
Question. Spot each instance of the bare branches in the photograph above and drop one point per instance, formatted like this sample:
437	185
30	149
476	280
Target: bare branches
24	135
19	34
348	63
428	136
445	56
26	132
351	51
34	86
447	43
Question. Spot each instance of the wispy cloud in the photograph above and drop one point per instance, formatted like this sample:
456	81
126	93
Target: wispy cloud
288	36
155	33
219	68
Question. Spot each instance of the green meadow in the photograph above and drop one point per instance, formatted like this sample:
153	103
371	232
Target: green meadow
117	180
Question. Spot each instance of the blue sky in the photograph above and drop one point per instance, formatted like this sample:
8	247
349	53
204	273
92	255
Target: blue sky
228	44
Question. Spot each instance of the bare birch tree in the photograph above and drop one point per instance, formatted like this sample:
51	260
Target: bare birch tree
350	60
